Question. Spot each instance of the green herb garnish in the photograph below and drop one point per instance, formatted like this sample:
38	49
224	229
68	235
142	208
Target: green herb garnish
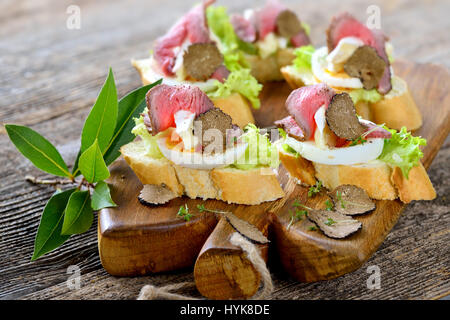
312	228
359	140
329	205
339	196
183	212
330	222
315	189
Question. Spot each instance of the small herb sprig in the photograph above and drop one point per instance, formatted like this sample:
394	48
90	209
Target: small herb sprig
330	222
315	189
107	128
183	212
342	202
359	140
329	205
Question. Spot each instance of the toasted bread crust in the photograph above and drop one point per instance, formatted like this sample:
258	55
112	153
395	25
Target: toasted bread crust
299	168
231	185
268	69
376	180
249	187
237	107
397	112
417	187
148	170
291	78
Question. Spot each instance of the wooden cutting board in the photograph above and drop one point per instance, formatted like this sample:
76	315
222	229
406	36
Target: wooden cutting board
136	239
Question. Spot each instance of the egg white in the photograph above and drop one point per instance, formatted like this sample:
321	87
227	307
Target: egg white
196	160
319	67
360	153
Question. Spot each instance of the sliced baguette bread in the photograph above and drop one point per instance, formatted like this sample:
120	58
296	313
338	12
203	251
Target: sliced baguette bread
377	178
248	187
235	105
397	109
268	69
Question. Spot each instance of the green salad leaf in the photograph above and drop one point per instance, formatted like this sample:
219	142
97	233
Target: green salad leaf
260	151
151	146
230	44
303	55
240	81
371	96
402	150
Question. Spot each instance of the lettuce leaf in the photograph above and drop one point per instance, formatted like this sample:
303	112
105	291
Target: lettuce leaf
151	146
402	150
220	25
303	57
260	151
371	96
240	81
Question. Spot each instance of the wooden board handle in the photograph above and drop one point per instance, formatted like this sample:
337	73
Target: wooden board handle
222	270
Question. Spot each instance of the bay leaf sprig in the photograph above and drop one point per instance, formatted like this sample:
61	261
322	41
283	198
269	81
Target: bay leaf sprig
106	129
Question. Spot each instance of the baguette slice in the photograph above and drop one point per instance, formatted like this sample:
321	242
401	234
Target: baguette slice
396	110
234	105
268	69
377	178
248	187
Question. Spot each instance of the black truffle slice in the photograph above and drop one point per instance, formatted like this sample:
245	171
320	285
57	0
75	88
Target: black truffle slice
201	60
245	228
334	224
154	194
341	117
288	24
214	124
350	200
367	65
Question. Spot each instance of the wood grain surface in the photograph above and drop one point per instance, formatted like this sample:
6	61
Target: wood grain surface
49	78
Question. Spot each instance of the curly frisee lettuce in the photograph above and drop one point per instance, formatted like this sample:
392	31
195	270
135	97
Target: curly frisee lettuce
260	152
239	81
402	150
151	146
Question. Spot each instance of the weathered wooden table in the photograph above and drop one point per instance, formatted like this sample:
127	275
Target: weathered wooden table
50	76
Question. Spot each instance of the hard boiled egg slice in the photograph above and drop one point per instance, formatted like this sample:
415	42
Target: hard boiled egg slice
319	69
360	153
343	51
197	160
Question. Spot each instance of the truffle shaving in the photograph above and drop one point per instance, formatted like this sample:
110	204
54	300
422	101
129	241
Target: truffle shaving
213	126
366	65
334	224
154	194
341	117
288	24
245	228
351	200
201	60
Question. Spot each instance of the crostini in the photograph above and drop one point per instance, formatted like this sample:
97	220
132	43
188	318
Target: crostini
189	147
358	60
324	139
